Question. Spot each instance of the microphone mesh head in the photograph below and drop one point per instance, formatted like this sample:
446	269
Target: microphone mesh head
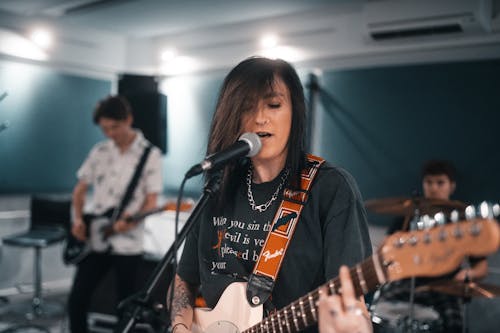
253	141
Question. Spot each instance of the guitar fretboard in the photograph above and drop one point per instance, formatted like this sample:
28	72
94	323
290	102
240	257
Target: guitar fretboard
429	252
302	313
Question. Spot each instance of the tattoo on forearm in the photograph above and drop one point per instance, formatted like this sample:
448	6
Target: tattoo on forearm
183	298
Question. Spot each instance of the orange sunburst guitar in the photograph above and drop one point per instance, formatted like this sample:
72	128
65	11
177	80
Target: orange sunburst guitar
402	255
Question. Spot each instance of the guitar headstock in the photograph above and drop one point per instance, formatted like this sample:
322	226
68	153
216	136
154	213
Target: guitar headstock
438	250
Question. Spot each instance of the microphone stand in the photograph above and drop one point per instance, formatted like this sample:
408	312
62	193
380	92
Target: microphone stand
466	298
139	307
413	226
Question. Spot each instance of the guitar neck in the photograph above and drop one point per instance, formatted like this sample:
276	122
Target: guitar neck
429	252
108	230
302	313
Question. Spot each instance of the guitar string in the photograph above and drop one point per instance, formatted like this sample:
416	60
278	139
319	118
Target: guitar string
294	319
369	275
307	309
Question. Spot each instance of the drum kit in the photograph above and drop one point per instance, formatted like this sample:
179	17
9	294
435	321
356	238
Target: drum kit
397	316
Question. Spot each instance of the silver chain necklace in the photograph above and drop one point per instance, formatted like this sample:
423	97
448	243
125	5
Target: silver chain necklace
262	207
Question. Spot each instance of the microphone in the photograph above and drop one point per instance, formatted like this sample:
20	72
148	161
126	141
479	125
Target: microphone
247	145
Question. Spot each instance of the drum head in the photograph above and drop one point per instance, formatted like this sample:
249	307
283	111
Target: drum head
393	317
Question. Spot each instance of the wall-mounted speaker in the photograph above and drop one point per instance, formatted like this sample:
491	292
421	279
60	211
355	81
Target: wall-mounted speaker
149	107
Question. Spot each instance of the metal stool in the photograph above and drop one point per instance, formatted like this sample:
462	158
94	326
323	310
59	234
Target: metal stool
49	219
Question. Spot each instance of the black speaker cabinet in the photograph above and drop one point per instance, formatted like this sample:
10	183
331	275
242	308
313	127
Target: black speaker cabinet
133	84
149	107
150	116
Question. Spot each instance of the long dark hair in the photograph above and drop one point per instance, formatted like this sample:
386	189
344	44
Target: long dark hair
242	89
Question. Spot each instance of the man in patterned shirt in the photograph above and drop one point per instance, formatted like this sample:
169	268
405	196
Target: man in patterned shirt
108	170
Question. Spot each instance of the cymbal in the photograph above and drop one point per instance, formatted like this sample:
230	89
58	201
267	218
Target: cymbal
404	206
462	289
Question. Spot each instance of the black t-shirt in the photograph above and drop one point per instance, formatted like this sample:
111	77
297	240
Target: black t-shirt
331	231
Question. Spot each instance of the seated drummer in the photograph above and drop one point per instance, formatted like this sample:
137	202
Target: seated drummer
439	183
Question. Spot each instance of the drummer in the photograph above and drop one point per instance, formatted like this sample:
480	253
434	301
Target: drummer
438	183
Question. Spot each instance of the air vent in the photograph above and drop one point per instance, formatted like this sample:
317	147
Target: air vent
390	20
417	32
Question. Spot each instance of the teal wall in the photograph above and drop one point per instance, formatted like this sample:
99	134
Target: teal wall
383	123
191	104
379	123
50	131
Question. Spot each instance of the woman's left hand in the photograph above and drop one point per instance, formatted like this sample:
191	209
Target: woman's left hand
343	313
122	225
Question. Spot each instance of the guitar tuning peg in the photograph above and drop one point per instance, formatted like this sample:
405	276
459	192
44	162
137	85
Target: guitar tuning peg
420	225
496	210
440	218
485	210
470	212
427	222
454	216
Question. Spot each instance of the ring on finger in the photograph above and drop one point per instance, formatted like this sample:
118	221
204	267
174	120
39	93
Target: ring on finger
354	309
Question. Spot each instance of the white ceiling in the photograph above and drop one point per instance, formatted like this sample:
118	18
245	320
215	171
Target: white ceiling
152	18
128	35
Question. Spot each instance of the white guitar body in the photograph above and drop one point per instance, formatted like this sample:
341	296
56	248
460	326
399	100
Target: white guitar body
97	241
232	314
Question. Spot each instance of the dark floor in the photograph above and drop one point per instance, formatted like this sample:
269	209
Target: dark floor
16	316
12	320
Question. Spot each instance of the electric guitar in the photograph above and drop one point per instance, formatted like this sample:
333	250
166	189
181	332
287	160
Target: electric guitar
432	252
100	228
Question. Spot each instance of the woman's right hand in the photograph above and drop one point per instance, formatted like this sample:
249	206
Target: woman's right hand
79	230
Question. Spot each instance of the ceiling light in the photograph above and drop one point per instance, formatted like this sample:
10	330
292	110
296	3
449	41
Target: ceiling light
168	55
269	41
16	45
42	38
180	65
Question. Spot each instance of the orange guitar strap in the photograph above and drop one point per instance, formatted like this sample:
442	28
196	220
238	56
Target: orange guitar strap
261	281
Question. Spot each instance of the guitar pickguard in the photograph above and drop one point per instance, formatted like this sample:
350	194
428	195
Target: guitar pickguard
97	241
222	326
232	314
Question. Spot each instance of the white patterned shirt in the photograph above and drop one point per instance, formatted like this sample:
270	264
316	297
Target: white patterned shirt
109	171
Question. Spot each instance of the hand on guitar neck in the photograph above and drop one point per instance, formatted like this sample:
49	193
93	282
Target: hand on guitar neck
127	222
91	232
124	224
343	313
